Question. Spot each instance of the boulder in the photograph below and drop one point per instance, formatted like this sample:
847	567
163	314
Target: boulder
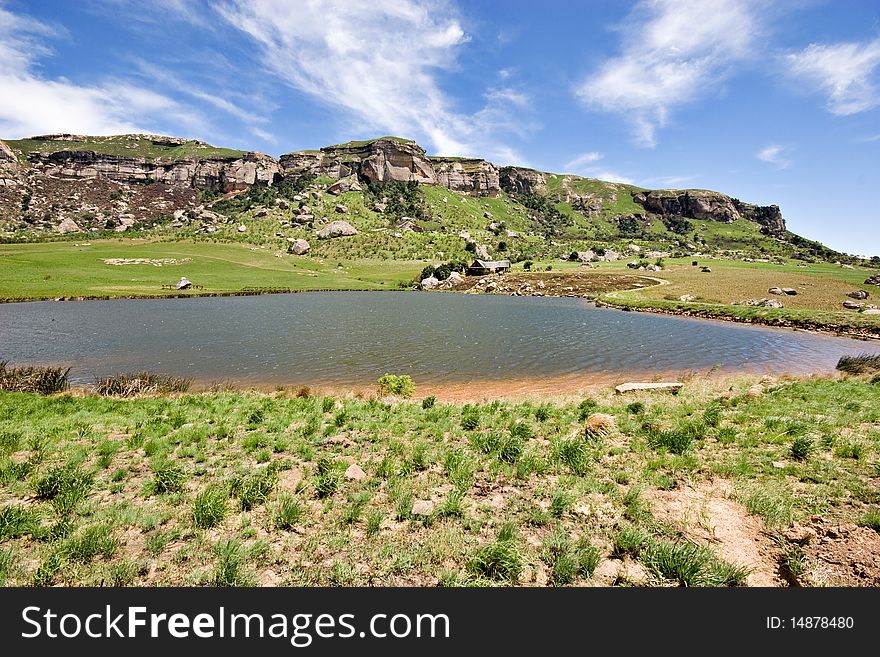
68	225
790	291
858	294
242	228
776	290
482	252
852	305
422	508
873	280
764	303
337	228
300	247
429	283
6	154
183	284
706	270
341	209
347	184
586	256
660	387
282	204
304	219
687	297
355	472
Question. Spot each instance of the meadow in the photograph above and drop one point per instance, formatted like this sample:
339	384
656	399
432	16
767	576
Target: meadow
734	481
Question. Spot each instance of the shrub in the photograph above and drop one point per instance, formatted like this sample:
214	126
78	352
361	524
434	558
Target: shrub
167	477
231	554
327	477
861	364
66	486
17	521
802	447
470	418
499	561
255	488
43	380
401	385
288	513
91	542
141	383
209	507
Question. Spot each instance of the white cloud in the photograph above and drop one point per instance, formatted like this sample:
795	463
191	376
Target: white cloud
774	154
847	73
378	63
33	104
582	159
673	52
584	165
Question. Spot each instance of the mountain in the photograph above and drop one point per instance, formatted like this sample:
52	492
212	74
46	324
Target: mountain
402	202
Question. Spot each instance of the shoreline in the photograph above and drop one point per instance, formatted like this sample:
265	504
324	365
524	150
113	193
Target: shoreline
550	388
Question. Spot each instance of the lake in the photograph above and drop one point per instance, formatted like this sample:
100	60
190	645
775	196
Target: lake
351	338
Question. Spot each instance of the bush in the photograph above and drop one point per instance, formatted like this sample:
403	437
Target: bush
209	507
141	383
861	364
43	380
401	385
428	402
801	447
66	486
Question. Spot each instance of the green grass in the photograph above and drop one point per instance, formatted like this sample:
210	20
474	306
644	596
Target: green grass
134	146
76	269
237	487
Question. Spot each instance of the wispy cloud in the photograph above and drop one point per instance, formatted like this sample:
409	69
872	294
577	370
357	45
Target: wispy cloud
847	73
585	165
774	154
34	104
583	159
672	52
378	63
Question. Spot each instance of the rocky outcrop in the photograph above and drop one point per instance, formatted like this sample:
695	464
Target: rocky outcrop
519	180
6	154
218	174
467	175
710	206
383	160
337	229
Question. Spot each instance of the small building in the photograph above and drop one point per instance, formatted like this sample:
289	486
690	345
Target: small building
483	267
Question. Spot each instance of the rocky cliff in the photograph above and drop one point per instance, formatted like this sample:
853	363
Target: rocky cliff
120	181
709	206
382	160
467	175
519	180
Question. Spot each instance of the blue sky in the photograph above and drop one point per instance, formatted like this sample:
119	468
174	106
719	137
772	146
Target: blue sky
770	102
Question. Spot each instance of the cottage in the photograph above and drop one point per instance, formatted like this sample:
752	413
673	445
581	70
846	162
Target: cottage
483	267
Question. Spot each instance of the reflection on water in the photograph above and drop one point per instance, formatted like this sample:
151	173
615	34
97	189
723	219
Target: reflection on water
351	338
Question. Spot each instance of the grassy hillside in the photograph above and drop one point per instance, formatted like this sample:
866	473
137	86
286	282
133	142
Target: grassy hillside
713	487
73	269
137	146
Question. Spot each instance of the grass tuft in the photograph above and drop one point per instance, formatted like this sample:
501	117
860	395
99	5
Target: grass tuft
42	380
140	383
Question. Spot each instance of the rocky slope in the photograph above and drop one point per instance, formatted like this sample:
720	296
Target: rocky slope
68	183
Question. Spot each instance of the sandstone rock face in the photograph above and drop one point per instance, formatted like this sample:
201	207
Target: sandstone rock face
429	283
467	175
300	247
710	206
380	160
219	174
6	154
337	229
519	180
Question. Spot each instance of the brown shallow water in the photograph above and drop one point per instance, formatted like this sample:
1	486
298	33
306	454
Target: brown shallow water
348	339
